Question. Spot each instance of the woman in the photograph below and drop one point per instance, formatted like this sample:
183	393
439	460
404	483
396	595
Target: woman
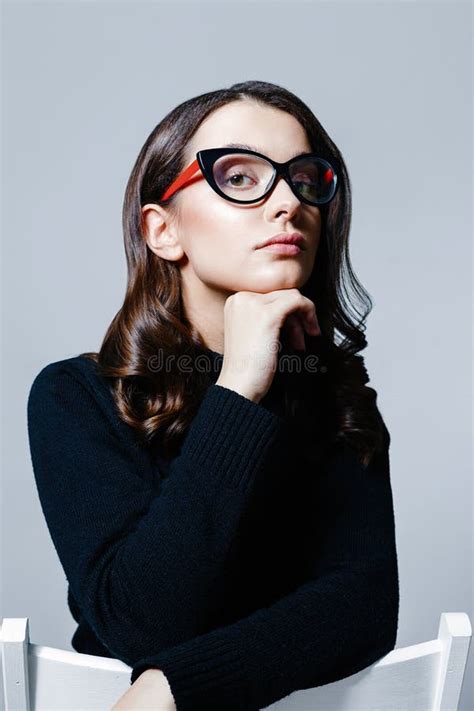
216	479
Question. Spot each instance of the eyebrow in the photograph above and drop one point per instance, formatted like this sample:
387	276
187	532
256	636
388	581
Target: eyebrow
257	149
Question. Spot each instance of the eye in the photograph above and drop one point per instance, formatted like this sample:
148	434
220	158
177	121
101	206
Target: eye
237	175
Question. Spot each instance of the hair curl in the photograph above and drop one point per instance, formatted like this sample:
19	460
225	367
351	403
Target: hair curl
338	405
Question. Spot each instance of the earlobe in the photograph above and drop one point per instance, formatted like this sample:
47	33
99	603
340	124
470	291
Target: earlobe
165	245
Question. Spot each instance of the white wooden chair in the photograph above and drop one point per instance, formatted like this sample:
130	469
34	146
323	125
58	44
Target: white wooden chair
421	677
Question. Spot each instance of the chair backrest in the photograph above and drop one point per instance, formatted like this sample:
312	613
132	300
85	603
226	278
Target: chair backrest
422	677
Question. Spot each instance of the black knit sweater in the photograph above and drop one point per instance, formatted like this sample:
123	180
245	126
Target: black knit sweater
238	569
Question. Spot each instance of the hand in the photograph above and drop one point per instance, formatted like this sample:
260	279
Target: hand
150	692
252	325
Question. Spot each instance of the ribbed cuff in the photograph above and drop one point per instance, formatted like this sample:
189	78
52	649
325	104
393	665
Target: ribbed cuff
203	674
230	436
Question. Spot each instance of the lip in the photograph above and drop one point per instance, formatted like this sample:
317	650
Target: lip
282	248
285	238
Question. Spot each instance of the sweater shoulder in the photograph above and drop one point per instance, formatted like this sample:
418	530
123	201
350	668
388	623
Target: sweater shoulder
77	378
79	367
73	374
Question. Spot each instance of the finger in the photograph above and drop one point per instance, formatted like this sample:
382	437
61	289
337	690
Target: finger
295	329
313	325
291	301
307	320
310	319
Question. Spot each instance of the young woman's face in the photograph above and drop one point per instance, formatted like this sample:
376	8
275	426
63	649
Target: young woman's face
217	238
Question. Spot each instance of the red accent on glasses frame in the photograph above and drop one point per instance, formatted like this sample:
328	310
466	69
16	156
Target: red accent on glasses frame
181	180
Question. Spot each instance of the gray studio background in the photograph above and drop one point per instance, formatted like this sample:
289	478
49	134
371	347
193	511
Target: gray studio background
84	83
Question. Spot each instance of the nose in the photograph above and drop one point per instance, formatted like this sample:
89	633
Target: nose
282	199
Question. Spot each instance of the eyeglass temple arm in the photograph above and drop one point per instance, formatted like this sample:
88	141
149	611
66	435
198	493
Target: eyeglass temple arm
181	180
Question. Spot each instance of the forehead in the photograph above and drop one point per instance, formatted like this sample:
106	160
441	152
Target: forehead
245	124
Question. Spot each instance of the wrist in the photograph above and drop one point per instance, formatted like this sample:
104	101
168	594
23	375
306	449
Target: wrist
160	688
238	389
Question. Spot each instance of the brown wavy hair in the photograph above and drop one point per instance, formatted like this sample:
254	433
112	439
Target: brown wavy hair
336	403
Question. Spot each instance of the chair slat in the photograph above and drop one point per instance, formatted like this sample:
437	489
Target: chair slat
422	677
15	641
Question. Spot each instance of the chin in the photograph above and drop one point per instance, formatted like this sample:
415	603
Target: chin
293	279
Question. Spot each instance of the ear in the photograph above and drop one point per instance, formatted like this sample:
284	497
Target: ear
159	232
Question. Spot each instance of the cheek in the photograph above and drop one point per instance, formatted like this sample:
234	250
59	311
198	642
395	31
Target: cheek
211	227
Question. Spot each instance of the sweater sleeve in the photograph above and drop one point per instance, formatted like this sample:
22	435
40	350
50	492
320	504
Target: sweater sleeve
142	554
340	621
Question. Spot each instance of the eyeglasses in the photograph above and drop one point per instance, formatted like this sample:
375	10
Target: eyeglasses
244	176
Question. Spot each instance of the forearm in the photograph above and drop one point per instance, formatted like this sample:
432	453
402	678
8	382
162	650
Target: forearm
343	619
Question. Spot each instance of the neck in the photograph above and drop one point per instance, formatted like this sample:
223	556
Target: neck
204	309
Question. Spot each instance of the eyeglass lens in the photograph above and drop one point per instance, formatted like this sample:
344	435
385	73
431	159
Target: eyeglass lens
247	177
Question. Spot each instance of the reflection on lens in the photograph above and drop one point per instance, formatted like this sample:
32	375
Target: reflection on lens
245	177
314	179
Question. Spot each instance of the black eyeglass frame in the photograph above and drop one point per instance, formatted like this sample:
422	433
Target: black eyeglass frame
208	156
